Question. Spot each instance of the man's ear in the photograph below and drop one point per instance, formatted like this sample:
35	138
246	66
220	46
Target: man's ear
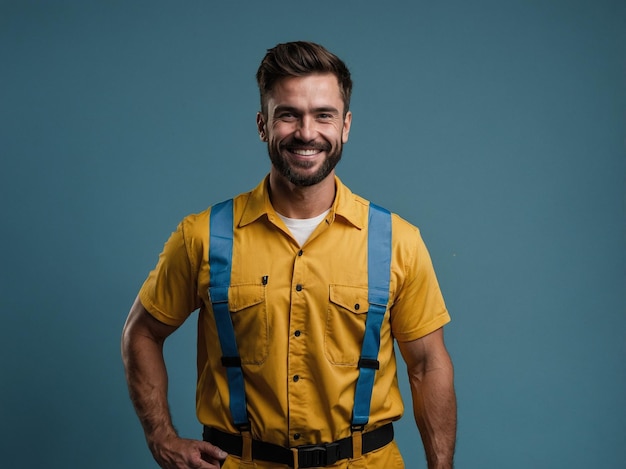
347	123
261	126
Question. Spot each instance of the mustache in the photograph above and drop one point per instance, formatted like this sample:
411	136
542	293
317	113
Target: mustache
301	144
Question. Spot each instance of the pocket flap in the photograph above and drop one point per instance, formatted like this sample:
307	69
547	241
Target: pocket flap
354	299
244	296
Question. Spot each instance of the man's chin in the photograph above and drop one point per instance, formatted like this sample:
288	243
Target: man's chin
307	179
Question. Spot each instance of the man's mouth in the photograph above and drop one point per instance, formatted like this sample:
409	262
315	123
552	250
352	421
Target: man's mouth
306	149
305	152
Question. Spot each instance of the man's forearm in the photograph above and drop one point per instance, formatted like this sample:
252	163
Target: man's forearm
147	383
434	406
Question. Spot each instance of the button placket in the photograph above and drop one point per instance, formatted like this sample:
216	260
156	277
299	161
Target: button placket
297	348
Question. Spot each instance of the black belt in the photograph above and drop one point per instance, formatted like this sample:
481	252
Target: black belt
320	455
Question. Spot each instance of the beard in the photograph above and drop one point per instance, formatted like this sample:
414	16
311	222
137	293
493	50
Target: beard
291	170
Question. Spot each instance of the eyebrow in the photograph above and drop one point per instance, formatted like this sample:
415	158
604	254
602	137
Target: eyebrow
328	109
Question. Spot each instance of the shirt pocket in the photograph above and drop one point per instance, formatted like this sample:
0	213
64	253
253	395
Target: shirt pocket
248	310
345	324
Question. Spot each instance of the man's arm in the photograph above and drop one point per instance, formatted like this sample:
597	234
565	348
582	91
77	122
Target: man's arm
434	402
142	352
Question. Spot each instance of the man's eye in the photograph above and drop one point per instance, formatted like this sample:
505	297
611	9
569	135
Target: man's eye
325	116
287	115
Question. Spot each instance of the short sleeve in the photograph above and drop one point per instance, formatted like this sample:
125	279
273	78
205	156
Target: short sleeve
418	307
170	291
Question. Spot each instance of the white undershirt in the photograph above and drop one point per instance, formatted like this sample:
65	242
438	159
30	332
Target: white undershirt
301	228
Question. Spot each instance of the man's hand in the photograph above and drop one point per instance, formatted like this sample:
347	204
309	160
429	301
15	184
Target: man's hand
180	453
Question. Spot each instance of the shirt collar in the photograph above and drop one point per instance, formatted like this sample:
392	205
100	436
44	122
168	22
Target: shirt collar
346	206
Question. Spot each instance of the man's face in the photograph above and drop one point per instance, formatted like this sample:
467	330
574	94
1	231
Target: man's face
305	127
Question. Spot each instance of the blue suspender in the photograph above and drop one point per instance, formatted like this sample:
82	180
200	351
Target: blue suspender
220	255
379	270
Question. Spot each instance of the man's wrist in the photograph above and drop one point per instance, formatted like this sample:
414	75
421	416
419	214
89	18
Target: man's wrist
441	463
161	435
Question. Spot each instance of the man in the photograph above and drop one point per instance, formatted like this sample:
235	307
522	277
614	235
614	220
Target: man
297	254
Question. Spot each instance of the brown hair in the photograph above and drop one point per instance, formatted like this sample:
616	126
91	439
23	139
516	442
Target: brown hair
298	59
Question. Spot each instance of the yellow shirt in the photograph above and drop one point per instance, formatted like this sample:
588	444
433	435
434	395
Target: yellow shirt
299	315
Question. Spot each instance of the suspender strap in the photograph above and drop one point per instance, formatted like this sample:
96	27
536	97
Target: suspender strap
220	256
379	271
379	268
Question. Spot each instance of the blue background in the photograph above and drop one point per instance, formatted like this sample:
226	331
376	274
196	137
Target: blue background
497	127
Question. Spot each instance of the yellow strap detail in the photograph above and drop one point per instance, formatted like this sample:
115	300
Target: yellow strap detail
246	450
357	444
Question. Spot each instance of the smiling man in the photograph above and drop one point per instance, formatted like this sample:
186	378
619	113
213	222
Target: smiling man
302	288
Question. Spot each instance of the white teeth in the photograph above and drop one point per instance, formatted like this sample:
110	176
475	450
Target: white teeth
305	152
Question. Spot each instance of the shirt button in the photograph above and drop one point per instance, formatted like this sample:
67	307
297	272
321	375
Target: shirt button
357	306
298	287
296	378
300	252
296	436
297	333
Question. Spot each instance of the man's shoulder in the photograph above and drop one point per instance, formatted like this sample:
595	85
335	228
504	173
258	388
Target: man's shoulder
403	230
195	225
400	225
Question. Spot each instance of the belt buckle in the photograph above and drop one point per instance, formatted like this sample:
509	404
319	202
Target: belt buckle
318	455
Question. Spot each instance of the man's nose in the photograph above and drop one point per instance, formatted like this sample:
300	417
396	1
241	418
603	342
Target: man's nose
306	129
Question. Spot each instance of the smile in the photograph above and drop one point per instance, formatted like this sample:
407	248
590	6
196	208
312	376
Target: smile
303	152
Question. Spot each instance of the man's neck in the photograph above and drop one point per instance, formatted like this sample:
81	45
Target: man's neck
301	202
